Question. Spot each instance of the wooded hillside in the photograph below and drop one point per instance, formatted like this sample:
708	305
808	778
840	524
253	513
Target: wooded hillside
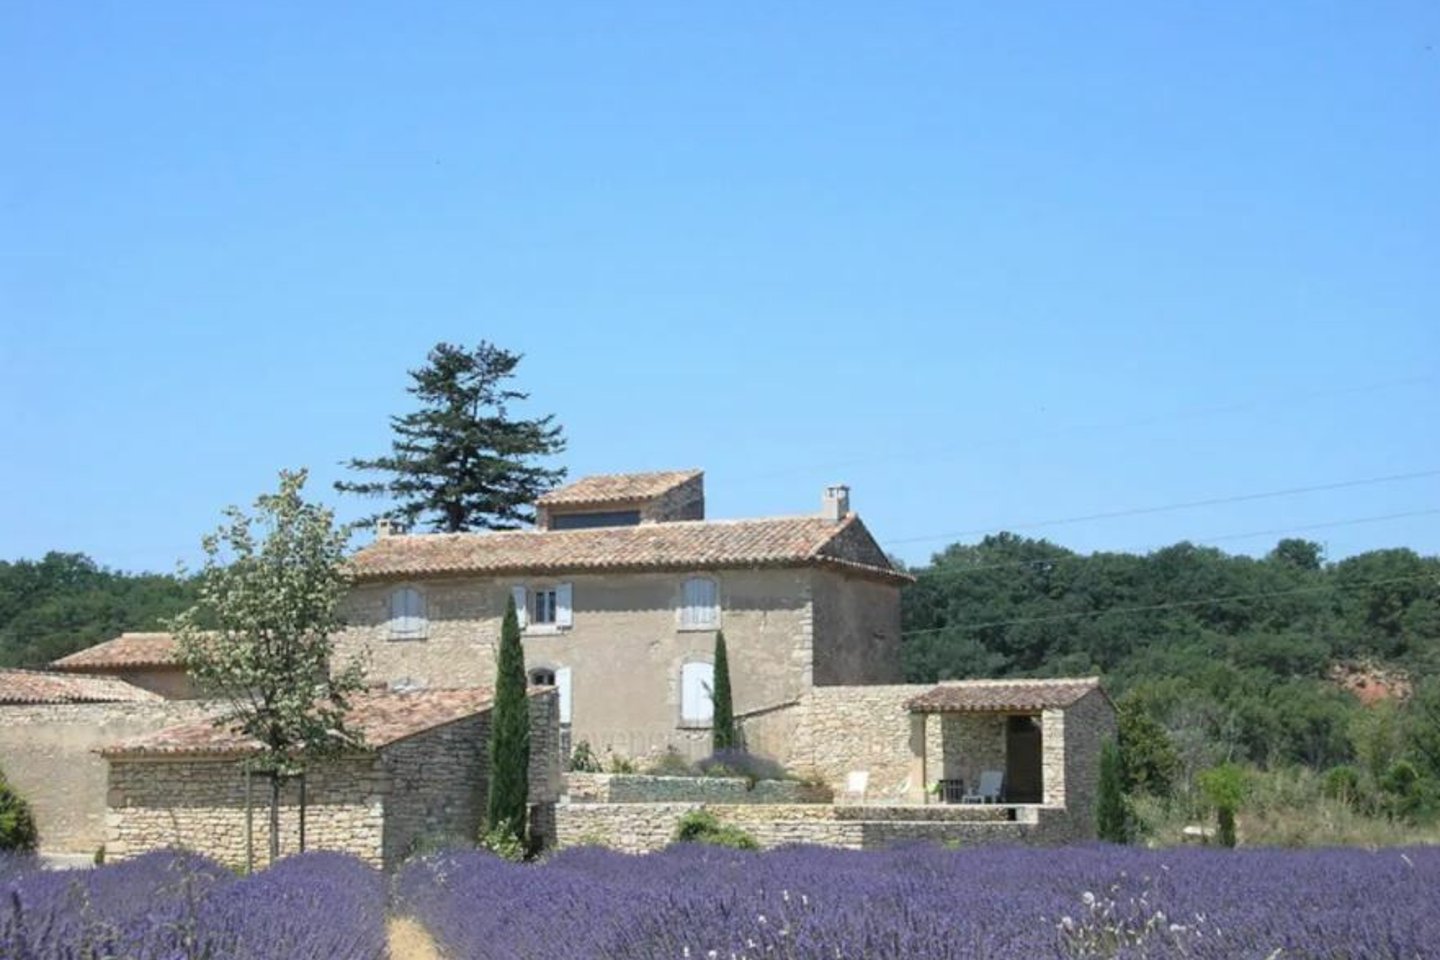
1232	654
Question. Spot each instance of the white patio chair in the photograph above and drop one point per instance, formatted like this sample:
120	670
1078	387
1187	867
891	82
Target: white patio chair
992	784
856	783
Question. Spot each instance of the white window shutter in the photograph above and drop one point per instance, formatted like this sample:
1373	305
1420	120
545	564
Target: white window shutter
697	703
521	609
564	616
562	685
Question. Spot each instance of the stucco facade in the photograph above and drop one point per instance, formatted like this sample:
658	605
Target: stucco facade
785	629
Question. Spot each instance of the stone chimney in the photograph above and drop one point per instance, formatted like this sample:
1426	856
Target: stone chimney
836	502
385	527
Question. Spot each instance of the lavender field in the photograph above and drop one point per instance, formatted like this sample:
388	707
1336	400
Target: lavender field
703	902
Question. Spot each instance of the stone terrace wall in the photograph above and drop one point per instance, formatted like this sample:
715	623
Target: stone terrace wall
845	729
646	827
48	754
435	786
643	788
200	804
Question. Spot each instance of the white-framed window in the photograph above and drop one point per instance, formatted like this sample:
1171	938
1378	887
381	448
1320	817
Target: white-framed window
697	693
544	608
407	614
700	604
559	678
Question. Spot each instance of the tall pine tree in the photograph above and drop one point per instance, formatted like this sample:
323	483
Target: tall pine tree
460	462
723	733
509	735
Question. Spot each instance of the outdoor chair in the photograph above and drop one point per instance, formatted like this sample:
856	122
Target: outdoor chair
992	784
856	783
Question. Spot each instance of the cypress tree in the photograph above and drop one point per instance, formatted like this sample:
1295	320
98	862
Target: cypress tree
1112	820
509	734
723	725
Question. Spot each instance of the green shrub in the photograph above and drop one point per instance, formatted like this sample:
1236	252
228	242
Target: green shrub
583	759
1342	783
1112	817
1225	788
504	842
700	826
18	833
738	763
619	764
1406	794
1149	760
672	763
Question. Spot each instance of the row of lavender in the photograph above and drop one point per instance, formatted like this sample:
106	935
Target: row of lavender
705	902
165	906
995	904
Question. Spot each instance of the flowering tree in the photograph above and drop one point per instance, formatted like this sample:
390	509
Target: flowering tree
259	637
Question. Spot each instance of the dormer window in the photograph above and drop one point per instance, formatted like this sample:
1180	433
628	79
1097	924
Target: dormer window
407	615
700	604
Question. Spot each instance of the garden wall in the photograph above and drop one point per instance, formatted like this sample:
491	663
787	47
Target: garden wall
48	753
644	788
647	827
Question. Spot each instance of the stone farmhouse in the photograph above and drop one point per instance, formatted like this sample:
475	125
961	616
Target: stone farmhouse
621	588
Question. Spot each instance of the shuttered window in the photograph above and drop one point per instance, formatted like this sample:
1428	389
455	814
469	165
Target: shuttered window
407	614
697	683
699	604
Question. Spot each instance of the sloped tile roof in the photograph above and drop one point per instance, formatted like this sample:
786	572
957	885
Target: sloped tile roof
126	650
382	718
34	686
681	545
617	488
968	696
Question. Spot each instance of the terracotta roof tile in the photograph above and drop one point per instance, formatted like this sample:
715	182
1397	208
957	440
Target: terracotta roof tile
681	545
382	717
126	650
34	686
617	487
963	696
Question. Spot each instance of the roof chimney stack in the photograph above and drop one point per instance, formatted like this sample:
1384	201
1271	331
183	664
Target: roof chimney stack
384	527
835	505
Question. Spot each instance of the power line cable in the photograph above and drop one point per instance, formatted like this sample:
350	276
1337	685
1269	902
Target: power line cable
943	574
1166	508
1178	604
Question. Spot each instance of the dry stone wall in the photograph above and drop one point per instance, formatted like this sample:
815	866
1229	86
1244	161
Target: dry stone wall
643	788
862	729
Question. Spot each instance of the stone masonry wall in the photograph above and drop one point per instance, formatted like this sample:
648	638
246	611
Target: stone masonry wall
862	728
48	753
1088	724
968	744
857	630
436	786
200	804
641	788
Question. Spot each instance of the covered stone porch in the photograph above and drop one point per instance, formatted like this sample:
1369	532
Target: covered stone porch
967	735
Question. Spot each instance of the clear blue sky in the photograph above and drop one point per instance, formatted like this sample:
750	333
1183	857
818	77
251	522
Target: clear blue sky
989	263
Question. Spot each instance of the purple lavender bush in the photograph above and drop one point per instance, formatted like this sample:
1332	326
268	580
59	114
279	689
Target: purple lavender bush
924	902
167	906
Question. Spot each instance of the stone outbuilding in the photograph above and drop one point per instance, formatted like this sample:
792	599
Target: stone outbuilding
150	661
51	724
421	778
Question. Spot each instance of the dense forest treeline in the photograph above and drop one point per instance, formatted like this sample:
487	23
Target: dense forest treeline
1233	655
66	601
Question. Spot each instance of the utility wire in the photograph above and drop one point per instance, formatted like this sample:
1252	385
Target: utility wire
932	574
1174	605
1186	505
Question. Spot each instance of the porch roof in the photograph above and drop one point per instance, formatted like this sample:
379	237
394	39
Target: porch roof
1002	696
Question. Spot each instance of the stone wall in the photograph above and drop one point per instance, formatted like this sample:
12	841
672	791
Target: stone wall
641	788
647	827
378	806
1089	722
625	649
961	746
862	728
48	753
199	803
